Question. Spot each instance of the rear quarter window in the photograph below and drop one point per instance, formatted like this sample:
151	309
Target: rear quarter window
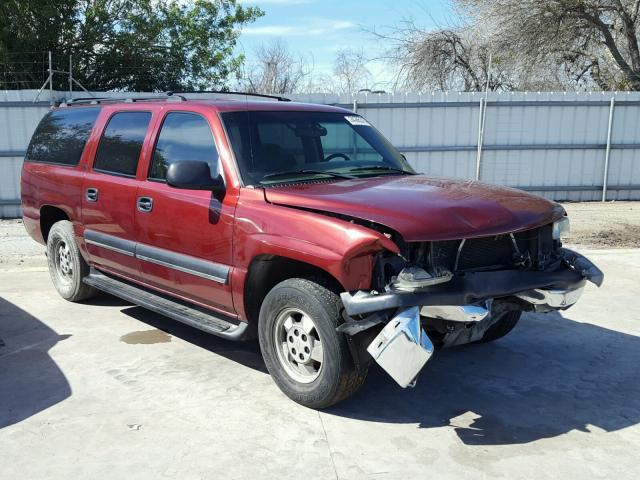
61	136
121	143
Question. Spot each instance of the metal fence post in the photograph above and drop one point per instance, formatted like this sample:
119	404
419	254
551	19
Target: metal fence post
50	79
483	116
607	154
480	137
70	76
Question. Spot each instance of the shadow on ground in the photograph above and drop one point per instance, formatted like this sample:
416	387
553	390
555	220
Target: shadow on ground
244	353
30	381
551	375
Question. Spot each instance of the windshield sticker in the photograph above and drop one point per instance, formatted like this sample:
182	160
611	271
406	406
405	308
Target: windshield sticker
356	120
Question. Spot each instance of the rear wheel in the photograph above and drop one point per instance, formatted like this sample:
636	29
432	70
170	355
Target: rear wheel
307	358
66	266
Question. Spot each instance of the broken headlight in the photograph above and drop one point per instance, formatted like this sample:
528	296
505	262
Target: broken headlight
560	228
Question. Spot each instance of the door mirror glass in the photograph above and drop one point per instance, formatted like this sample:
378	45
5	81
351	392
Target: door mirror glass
193	175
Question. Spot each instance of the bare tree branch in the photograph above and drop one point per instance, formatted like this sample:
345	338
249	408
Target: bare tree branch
446	59
276	71
553	31
350	72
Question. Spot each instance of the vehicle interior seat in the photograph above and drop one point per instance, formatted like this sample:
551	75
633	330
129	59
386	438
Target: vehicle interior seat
273	158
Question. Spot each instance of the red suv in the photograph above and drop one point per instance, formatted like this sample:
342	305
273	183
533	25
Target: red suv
299	224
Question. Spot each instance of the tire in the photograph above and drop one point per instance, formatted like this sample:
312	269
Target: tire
503	326
66	265
284	326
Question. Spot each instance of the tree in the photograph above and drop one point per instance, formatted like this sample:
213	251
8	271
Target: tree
587	41
151	45
350	72
446	59
276	71
541	45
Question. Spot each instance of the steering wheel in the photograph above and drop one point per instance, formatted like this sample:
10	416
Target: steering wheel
337	155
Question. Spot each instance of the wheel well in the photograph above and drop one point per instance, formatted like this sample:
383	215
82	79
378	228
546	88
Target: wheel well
48	216
266	271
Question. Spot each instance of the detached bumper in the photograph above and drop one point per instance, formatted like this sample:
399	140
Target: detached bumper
555	290
402	348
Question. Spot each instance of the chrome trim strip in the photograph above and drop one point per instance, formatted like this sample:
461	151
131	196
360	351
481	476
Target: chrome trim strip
553	299
456	313
213	271
184	263
182	269
110	242
110	247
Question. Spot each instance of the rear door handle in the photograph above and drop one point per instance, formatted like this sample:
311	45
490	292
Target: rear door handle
92	194
145	204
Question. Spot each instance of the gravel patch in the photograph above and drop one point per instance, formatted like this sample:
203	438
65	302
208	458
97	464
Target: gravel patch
17	249
604	225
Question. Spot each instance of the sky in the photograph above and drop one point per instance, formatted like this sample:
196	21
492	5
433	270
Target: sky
317	29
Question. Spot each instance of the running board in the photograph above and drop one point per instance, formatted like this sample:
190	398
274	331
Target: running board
206	321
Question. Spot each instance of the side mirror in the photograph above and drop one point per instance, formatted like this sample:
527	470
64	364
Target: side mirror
193	175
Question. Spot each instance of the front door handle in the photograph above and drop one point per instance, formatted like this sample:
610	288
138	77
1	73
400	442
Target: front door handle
92	194
145	204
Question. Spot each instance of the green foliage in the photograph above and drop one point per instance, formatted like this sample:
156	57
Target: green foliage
149	45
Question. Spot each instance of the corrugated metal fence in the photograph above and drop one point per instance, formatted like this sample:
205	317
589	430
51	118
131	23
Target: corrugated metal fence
565	146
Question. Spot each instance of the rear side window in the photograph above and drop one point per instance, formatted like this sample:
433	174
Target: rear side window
121	142
61	136
184	136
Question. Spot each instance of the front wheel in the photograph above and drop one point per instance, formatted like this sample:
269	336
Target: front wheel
305	355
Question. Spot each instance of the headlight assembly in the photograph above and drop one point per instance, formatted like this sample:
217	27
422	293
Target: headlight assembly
560	228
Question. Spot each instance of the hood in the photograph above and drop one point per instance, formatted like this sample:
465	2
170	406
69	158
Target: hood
423	208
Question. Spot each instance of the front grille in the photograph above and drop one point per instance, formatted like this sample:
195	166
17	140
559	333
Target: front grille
534	250
486	252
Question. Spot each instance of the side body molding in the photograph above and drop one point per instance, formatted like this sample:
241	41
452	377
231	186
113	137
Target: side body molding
110	242
184	263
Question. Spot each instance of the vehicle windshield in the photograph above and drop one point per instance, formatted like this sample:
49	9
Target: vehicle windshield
290	146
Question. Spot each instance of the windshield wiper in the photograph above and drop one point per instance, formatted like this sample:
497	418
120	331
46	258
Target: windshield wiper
381	167
275	175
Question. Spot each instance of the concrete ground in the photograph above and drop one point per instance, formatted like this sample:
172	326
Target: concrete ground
109	390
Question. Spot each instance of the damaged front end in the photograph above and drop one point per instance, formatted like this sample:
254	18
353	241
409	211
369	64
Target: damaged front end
451	292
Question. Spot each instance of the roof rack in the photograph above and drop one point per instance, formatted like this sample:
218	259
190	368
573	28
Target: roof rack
232	92
168	96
